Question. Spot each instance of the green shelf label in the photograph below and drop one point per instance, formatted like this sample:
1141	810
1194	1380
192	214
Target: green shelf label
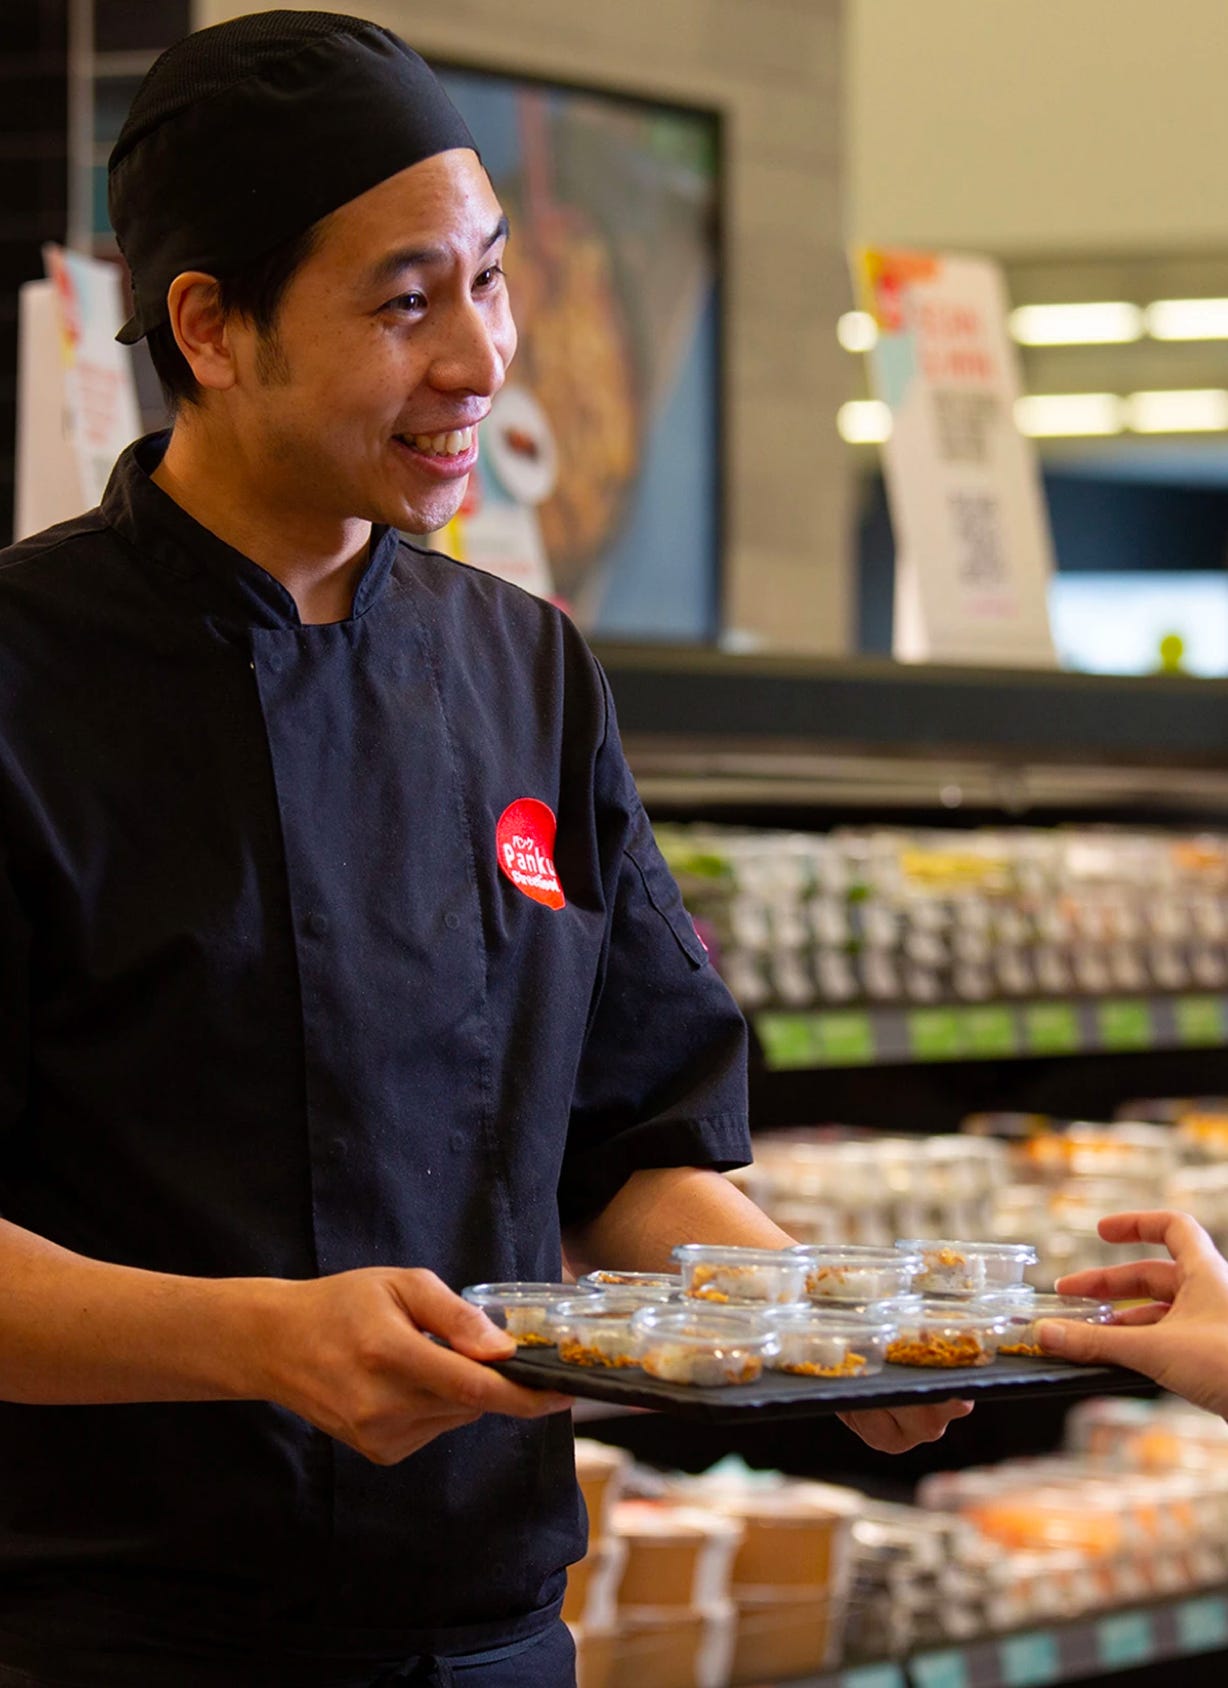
936	1034
939	1670
989	1031
1051	1028
1027	1661
1124	1024
1200	1020
789	1040
872	1676
1124	1639
845	1039
1202	1623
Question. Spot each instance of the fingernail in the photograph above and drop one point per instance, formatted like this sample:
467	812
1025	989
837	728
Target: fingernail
560	1403
492	1337
1051	1334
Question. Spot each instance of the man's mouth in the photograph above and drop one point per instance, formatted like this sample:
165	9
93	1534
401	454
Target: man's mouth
450	444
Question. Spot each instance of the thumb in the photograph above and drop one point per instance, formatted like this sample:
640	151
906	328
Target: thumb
437	1309
1071	1339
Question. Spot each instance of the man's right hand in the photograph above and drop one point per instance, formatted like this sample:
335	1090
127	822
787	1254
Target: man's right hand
353	1354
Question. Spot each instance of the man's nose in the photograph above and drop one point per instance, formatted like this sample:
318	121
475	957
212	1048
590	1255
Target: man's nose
475	353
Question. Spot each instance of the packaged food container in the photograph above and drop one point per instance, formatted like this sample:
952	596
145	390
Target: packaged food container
816	1343
595	1330
711	1273
857	1274
705	1347
949	1267
1025	1313
522	1310
945	1333
649	1286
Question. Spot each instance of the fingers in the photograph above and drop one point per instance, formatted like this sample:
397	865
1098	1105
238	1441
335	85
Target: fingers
1181	1235
1158	1280
475	1387
893	1430
1107	1345
436	1308
1149	1314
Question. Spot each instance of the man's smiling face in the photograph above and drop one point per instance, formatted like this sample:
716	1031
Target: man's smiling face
390	343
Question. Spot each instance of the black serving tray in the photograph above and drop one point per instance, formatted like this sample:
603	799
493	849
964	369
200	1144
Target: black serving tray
778	1395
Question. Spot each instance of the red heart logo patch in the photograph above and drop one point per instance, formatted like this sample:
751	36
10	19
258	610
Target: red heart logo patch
524	845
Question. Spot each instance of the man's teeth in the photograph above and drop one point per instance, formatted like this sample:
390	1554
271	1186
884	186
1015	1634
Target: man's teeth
442	445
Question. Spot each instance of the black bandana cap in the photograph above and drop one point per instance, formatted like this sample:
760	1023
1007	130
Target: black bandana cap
243	135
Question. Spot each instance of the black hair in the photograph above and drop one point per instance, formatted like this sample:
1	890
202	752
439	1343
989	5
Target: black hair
254	292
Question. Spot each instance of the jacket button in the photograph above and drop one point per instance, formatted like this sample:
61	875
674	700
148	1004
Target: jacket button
451	921
317	924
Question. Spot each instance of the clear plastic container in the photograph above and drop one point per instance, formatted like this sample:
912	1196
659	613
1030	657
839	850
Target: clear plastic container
649	1286
755	1275
1023	1314
595	1330
706	1347
949	1267
522	1309
817	1343
851	1273
945	1333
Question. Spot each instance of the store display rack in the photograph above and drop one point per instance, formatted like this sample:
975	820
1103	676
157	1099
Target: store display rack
1158	1633
817	1038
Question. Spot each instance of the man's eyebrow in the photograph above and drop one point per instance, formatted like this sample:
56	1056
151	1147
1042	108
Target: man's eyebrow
388	267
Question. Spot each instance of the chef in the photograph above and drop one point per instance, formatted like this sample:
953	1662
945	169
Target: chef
338	966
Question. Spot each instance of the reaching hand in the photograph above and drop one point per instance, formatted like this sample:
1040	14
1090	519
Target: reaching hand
353	1354
1179	1335
893	1430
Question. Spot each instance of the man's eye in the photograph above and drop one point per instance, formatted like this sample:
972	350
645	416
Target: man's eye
489	276
407	302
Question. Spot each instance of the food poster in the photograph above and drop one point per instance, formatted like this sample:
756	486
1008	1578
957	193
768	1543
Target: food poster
974	553
599	480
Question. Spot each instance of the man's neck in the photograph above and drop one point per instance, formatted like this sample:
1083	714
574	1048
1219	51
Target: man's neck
319	568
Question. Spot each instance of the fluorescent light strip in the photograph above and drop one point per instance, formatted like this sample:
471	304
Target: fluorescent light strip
1194	410
1188	319
1049	415
864	422
1103	324
857	331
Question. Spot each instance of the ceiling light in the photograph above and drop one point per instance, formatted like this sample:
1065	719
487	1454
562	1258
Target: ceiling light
1193	410
1188	319
1108	323
857	331
1047	415
864	422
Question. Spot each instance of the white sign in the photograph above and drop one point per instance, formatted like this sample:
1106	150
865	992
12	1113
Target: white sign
973	550
76	398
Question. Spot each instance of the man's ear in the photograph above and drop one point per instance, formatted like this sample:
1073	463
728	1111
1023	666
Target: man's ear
200	329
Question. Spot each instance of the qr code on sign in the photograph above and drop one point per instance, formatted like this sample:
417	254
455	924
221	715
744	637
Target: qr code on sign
965	424
976	519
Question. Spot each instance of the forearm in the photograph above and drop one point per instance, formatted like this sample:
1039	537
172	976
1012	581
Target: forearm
661	1207
74	1330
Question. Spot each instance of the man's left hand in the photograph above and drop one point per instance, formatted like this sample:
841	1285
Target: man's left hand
893	1430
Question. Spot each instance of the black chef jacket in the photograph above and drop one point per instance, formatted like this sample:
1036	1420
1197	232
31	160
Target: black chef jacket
271	1002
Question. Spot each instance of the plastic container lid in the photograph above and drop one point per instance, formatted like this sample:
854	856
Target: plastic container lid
856	1273
705	1347
1023	1315
816	1343
953	1267
649	1286
757	1275
595	1330
521	1308
946	1333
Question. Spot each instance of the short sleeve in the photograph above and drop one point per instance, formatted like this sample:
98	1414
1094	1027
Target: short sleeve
662	1076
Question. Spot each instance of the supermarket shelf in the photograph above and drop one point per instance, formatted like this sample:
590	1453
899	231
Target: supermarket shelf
1119	1640
861	1037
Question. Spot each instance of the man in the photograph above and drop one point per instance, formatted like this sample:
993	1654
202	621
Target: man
293	1043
